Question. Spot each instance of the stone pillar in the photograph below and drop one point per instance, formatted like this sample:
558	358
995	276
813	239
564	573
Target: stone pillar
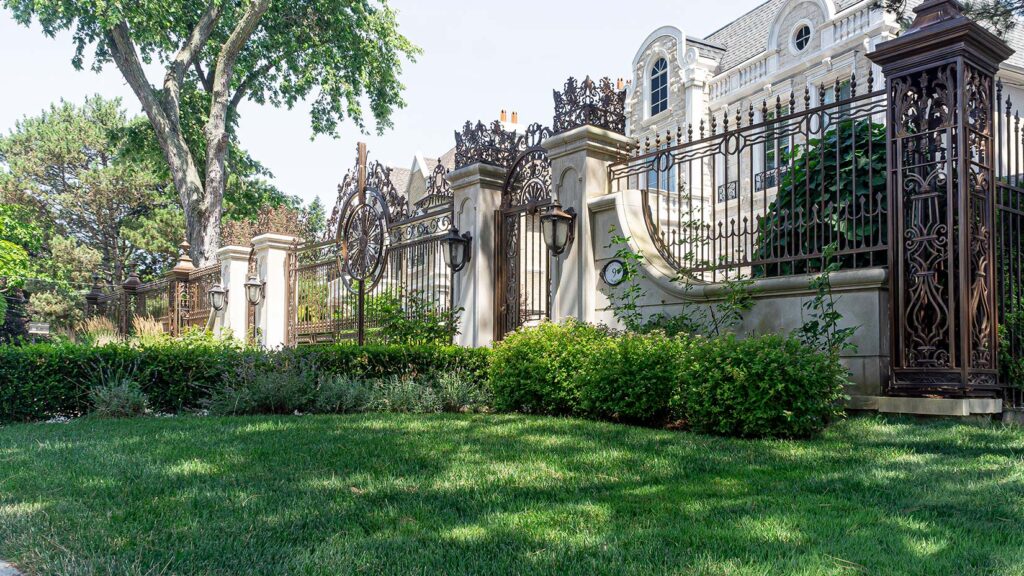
477	196
273	258
939	78
234	268
579	172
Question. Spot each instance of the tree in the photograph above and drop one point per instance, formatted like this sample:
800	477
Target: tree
1000	16
66	165
267	51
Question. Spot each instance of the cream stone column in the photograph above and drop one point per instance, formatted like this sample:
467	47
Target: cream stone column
234	266
477	195
272	259
579	172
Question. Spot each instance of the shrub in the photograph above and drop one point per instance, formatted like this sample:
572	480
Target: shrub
42	380
115	394
457	392
255	389
123	400
403	394
760	386
630	378
534	370
342	394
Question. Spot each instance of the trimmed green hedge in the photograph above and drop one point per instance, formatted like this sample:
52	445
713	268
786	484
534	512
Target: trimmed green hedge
39	381
759	386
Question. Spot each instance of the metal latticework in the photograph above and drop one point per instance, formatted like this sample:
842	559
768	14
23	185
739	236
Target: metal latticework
942	265
1009	243
523	260
762	190
381	259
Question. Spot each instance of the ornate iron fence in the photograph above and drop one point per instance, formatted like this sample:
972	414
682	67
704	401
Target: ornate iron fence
763	190
193	304
590	103
1009	243
382	261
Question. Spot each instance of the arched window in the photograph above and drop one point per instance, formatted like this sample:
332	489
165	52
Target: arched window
659	87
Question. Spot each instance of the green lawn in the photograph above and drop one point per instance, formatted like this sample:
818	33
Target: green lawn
387	494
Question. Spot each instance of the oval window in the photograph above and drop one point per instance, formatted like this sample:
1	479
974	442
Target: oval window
802	37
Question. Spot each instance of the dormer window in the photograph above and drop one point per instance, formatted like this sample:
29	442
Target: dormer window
659	87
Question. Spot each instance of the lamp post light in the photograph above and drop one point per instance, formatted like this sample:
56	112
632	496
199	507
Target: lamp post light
457	253
218	296
557	227
254	290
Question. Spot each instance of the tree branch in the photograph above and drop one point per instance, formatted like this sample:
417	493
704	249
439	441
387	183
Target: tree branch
243	87
216	125
172	142
203	77
184	59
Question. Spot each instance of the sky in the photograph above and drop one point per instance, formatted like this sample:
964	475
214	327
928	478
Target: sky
478	57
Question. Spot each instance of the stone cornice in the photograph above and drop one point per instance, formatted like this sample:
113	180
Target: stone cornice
593	140
483	175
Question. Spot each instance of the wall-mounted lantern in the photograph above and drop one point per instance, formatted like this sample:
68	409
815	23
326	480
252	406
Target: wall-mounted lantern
558	228
254	290
457	253
218	296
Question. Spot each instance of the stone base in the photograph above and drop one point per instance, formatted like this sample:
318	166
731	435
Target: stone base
1014	417
926	406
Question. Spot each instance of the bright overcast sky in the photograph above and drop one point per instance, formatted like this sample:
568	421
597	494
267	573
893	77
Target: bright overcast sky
478	57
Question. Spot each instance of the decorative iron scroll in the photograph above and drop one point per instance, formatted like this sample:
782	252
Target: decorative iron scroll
480	144
378	179
439	191
765	187
378	258
590	103
944	319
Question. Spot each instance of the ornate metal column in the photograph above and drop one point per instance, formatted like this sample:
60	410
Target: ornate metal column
939	77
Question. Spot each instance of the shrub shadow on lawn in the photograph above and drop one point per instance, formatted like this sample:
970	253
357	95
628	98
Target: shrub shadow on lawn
449	494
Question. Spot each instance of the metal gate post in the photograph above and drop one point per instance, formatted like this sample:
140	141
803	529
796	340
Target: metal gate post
939	78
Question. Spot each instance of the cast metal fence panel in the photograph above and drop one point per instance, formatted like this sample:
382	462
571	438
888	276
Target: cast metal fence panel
761	190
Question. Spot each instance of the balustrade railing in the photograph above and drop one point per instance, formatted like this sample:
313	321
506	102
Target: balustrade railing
762	190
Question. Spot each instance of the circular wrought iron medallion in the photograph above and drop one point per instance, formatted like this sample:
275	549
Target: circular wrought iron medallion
364	242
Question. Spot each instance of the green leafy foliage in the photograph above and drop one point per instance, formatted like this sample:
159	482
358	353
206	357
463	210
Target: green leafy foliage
535	370
38	381
122	400
821	330
340	55
763	386
829	178
630	378
760	386
401	317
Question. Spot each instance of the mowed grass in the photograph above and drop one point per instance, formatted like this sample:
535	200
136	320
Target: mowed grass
448	494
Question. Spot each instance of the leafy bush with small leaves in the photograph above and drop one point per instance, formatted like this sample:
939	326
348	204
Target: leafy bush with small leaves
630	378
38	381
762	386
535	370
123	399
404	394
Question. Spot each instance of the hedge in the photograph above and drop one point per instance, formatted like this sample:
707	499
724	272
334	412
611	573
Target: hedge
762	386
38	381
